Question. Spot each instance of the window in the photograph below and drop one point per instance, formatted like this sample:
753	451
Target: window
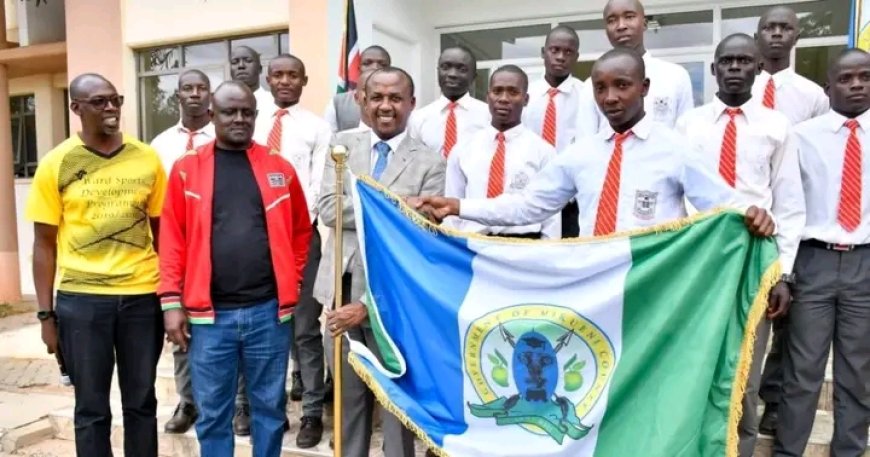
507	43
817	18
158	70
23	111
812	62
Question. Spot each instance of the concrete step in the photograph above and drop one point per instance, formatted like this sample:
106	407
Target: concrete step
186	445
820	439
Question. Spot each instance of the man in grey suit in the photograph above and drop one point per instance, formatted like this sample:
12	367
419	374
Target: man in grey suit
343	112
408	168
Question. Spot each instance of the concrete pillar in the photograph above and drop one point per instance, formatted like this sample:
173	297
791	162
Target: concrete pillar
10	278
309	39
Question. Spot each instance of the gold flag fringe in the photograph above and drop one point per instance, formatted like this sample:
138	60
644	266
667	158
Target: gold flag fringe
426	224
388	404
744	363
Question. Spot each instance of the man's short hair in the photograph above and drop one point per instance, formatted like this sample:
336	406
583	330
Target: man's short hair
563	29
391	70
77	85
287	56
193	71
624	52
514	70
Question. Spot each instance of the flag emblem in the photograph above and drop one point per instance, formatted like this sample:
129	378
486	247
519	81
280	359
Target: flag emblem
540	386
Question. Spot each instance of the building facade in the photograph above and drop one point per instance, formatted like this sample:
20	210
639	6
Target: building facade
142	46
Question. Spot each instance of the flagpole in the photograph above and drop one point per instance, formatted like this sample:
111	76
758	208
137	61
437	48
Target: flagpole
339	155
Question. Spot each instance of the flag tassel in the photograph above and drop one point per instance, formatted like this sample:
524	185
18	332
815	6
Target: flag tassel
747	352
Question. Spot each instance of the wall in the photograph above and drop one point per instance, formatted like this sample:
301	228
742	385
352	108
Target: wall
189	20
50	106
403	28
41	24
94	45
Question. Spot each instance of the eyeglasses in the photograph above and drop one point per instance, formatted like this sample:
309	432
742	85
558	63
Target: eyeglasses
100	103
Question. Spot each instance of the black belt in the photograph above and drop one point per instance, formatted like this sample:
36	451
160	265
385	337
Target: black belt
528	236
834	246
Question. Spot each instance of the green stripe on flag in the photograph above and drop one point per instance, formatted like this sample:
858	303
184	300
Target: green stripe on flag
676	391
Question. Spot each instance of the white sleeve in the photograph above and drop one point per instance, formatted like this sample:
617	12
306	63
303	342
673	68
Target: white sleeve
685	95
330	116
318	162
704	189
789	206
549	192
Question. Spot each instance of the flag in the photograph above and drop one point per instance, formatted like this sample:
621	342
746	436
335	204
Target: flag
634	344
349	60
859	30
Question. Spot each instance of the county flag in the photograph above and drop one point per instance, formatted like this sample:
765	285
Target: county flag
349	60
632	345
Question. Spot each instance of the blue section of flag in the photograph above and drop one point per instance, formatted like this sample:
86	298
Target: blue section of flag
419	321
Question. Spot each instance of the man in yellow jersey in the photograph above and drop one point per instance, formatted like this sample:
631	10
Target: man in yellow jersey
94	202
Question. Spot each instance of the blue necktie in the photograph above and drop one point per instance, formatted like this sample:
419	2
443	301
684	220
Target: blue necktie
383	149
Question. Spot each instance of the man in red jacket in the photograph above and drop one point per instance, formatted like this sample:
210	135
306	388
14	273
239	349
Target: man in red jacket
234	240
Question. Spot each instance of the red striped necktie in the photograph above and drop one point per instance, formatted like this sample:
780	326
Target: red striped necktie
495	185
450	129
849	211
770	94
189	145
274	141
548	132
728	154
608	203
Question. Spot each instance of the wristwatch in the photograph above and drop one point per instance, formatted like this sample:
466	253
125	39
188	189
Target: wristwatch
45	315
788	278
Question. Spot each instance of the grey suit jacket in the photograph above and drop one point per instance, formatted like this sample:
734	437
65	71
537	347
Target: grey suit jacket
413	170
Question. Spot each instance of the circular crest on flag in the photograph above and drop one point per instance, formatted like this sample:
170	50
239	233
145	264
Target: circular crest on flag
542	367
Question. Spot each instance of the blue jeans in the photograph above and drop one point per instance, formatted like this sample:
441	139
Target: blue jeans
253	340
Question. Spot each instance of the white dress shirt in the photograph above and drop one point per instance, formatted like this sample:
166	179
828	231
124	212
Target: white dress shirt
264	98
669	97
468	175
768	173
304	143
393	142
428	124
567	103
172	142
822	146
657	172
797	97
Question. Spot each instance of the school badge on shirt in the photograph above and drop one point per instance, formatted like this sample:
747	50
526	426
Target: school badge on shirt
519	181
276	180
661	107
645	204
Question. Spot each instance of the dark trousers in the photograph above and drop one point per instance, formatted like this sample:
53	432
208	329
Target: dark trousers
831	304
308	340
94	331
570	215
771	377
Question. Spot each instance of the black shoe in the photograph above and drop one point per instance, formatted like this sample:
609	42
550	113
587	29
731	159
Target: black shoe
286	425
182	419
296	386
242	420
328	390
769	420
310	433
